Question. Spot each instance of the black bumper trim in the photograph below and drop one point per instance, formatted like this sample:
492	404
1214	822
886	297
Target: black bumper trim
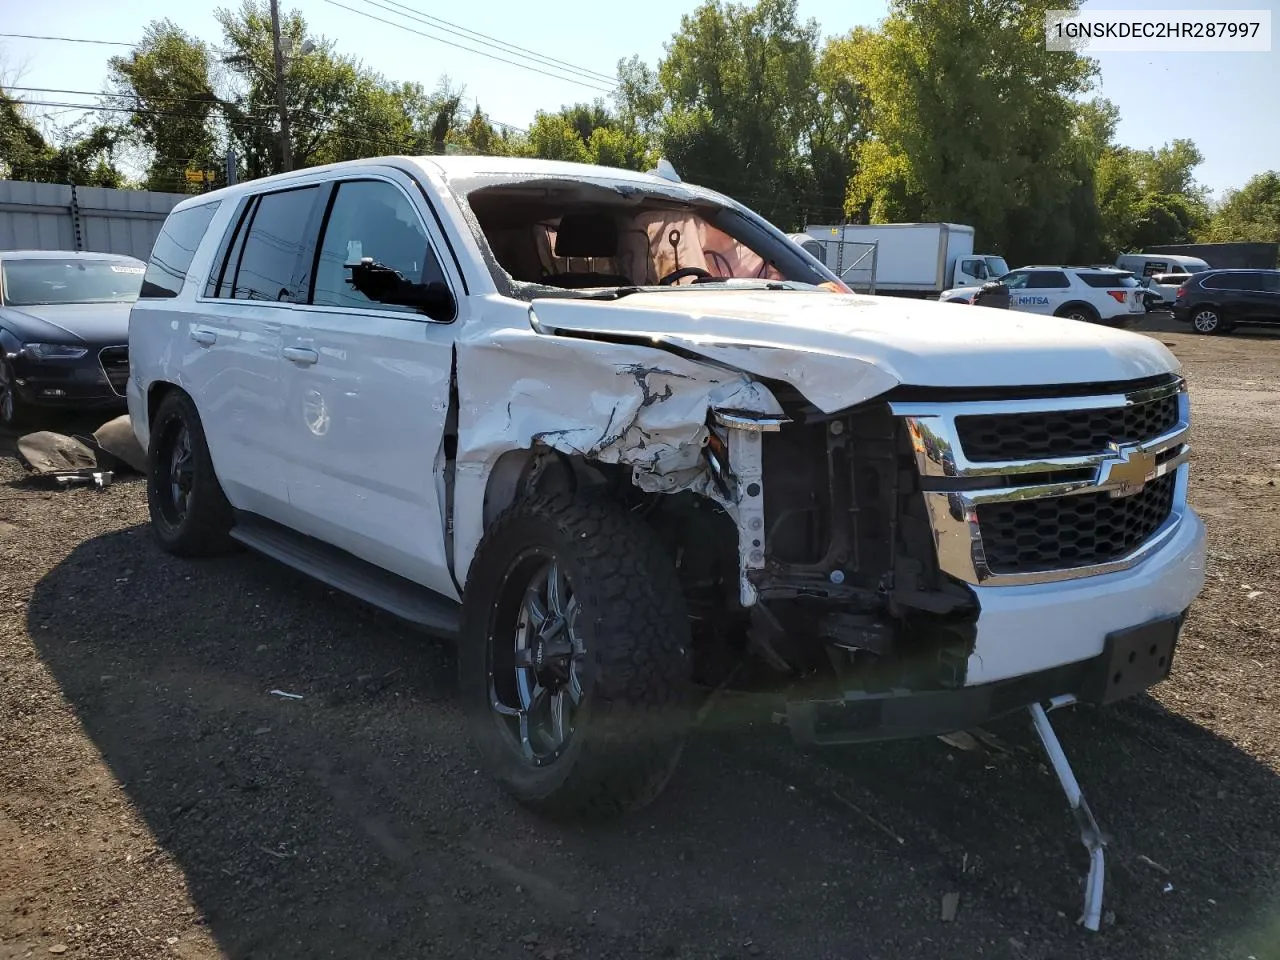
1131	661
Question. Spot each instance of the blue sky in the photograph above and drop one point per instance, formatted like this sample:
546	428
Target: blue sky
1224	102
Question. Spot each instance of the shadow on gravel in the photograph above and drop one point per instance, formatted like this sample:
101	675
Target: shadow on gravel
352	822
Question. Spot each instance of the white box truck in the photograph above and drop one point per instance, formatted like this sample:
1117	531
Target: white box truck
902	259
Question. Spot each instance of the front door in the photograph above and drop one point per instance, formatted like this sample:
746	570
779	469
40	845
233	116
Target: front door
366	389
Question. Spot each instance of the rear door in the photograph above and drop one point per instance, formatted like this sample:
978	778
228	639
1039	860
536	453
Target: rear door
1271	307
367	386
246	302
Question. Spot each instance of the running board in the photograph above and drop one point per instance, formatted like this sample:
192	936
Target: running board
339	569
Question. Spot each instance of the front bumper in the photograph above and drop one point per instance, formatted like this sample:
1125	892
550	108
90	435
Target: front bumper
81	382
1034	642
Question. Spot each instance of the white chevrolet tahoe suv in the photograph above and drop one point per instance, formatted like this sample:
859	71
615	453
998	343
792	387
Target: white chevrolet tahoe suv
624	441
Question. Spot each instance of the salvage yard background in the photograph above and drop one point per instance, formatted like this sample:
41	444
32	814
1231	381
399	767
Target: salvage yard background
156	800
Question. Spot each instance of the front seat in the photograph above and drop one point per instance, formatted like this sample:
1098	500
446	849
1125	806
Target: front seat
589	236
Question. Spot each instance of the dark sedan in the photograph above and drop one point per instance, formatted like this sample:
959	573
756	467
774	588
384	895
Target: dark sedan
64	329
1217	300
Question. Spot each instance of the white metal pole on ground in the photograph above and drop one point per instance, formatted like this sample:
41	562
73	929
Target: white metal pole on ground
1090	833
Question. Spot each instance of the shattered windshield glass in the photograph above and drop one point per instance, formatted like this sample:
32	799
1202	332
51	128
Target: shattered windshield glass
554	237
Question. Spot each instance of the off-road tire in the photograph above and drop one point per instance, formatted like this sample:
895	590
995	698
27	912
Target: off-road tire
206	523
636	708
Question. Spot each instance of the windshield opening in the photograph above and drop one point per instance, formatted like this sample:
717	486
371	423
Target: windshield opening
996	267
548	238
50	281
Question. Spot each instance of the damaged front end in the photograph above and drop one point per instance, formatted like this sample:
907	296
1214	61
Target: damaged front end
836	597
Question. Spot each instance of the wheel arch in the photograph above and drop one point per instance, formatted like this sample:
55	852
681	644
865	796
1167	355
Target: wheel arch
1088	308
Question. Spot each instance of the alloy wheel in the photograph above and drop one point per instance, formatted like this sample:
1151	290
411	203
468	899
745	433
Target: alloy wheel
1205	321
535	686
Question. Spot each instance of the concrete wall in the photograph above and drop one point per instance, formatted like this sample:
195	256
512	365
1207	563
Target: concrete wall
55	216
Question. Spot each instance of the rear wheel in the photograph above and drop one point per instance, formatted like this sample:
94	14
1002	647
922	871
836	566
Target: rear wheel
190	514
1208	320
1081	312
574	662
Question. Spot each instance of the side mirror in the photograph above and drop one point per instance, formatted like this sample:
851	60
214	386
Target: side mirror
384	284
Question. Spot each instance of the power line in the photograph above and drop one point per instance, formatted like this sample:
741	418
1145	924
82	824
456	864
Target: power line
33	36
458	30
514	63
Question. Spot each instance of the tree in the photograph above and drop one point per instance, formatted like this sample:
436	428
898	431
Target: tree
970	120
166	83
588	133
1250	214
78	155
733	105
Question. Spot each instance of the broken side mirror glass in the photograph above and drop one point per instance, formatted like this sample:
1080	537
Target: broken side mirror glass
384	284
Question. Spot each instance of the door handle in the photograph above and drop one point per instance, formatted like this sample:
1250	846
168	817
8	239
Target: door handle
300	355
206	338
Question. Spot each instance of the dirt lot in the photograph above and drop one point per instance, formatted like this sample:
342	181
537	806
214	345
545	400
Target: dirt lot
157	799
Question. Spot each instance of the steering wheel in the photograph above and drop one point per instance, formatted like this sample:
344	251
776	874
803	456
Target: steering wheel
683	272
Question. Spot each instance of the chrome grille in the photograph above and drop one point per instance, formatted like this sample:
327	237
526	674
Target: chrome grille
1035	490
115	367
1057	533
1062	433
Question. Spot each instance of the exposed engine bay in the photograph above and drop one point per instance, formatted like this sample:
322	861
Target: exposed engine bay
848	594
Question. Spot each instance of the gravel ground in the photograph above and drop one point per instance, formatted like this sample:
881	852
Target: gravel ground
157	799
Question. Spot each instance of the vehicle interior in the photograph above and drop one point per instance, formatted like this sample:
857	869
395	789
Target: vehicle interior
579	236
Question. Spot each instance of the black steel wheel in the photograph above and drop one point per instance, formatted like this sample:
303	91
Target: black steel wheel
574	660
190	514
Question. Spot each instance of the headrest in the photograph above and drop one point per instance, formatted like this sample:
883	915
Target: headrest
587	235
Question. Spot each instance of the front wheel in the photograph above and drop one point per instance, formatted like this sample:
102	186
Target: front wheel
574	662
11	408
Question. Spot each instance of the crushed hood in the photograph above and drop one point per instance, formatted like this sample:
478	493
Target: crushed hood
839	350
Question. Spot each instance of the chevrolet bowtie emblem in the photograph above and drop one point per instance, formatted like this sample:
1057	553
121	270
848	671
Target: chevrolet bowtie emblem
1127	470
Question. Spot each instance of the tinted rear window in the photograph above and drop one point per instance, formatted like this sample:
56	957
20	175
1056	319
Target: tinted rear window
1234	281
41	280
1110	281
174	248
276	237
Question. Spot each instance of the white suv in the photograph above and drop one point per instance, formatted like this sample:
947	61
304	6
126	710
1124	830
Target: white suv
623	440
1093	294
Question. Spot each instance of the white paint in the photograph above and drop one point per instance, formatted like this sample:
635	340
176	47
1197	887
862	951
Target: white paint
1029	628
843	349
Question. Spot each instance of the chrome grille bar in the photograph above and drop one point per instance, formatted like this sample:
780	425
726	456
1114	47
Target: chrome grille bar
1120	470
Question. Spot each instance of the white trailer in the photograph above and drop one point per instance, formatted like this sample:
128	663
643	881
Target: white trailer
902	259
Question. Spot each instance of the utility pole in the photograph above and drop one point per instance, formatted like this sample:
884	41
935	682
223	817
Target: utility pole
286	141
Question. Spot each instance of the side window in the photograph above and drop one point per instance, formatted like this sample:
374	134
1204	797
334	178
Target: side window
371	218
974	268
276	236
1048	280
174	249
1016	280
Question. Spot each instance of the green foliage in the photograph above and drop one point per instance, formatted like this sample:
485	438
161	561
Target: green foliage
166	81
971	121
1250	214
747	102
80	156
587	133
